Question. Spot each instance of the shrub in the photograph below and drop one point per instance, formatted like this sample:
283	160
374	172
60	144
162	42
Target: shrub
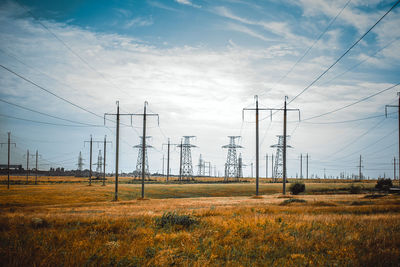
293	200
173	219
384	184
355	189
297	188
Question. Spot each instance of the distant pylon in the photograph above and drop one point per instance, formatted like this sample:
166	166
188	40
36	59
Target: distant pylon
200	166
187	167
278	167
99	163
240	167
80	162
138	172
231	165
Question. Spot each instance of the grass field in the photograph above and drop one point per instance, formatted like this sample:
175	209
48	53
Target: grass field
57	224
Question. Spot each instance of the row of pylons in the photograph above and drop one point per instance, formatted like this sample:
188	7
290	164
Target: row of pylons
99	164
233	166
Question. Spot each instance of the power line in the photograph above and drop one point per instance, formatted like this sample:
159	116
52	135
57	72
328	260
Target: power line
50	92
357	138
370	145
344	54
351	104
49	115
359	63
47	123
315	41
347	121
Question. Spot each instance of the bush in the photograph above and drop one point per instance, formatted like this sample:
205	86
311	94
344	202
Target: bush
297	188
173	219
354	189
384	184
293	200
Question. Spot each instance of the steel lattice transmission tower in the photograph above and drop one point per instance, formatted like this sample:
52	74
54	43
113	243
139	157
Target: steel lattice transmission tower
139	161
240	167
187	167
99	163
278	167
201	167
231	165
80	162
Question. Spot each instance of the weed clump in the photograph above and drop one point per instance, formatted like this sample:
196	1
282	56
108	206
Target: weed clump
293	200
375	196
355	189
38	223
171	219
297	188
384	184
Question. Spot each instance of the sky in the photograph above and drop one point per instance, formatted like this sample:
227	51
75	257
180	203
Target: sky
198	64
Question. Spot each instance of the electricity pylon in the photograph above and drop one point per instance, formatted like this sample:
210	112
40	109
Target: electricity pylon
231	165
240	167
278	166
186	169
139	162
99	164
80	163
201	167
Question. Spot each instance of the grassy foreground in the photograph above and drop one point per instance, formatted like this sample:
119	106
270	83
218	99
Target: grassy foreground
63	224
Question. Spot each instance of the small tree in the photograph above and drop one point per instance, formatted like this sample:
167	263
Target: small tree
384	184
297	188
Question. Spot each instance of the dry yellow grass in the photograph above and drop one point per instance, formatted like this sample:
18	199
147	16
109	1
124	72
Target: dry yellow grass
82	226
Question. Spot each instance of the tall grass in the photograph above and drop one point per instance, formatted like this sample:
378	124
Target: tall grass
324	230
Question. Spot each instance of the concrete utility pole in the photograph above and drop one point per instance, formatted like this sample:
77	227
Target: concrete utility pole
117	139
209	168
37	170
252	173
163	156
27	165
180	162
90	159
359	169
266	166
394	168
307	166
272	167
91	141
301	166
117	145
9	157
398	115
144	115
104	163
285	110
168	144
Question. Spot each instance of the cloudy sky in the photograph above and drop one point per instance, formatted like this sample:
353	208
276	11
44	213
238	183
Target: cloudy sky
198	64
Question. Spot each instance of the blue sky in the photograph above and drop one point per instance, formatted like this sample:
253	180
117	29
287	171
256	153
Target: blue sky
198	63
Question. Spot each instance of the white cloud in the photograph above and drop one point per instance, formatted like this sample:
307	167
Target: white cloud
196	90
278	28
139	22
187	2
248	31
